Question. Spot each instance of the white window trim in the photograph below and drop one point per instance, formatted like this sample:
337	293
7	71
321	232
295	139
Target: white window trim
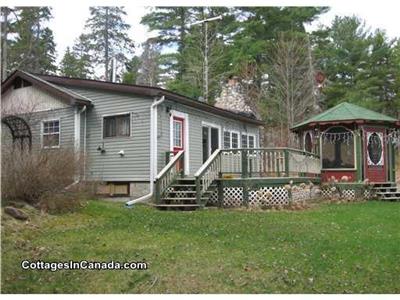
116	115
42	133
255	140
230	136
247	138
220	137
185	116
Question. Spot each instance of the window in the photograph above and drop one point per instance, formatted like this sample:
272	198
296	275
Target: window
251	141
116	126
227	140
248	141
177	133
244	140
337	147
235	140
231	140
51	134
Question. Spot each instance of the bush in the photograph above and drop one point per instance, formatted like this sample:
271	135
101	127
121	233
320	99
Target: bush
28	176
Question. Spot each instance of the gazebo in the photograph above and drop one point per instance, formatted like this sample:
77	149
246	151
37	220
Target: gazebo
353	142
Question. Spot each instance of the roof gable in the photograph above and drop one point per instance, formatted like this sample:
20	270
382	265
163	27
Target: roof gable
63	94
346	112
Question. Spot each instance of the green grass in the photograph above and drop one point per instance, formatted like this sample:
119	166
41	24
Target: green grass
346	248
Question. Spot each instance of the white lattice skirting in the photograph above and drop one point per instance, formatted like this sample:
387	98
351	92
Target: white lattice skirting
265	196
347	194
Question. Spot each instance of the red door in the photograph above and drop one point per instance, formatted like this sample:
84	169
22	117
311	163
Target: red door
374	154
178	126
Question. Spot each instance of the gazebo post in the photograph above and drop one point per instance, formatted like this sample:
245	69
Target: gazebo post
359	155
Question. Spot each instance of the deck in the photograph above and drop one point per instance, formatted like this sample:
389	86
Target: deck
237	175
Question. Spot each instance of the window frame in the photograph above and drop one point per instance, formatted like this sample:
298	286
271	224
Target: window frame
254	141
103	117
42	133
231	132
180	121
247	140
354	150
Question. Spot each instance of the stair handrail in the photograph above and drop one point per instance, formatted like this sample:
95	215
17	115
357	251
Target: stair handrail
207	173
167	175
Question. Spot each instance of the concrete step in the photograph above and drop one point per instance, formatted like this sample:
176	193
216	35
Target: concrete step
384	184
390	198
182	199
182	207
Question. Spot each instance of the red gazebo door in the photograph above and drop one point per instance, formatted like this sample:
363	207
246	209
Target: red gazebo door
375	154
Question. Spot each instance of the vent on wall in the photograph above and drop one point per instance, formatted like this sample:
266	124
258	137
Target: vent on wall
20	83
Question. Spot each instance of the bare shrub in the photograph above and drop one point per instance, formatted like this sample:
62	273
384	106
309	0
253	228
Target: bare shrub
60	202
27	176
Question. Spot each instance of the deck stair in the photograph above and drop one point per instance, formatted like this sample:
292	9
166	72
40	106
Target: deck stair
388	191
181	195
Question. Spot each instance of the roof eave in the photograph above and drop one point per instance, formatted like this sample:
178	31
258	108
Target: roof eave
150	92
336	122
63	95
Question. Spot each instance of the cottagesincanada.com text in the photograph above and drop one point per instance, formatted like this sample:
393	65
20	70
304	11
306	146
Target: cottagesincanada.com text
82	265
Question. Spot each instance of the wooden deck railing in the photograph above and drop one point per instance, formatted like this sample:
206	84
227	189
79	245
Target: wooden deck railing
207	173
269	162
168	174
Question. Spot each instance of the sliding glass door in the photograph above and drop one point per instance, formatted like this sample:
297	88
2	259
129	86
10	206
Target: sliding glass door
210	141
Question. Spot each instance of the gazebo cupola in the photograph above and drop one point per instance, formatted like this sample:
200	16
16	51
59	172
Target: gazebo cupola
354	143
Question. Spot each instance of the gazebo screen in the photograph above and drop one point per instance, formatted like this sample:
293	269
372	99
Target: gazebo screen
337	149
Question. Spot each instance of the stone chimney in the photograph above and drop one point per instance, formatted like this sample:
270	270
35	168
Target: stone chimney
232	98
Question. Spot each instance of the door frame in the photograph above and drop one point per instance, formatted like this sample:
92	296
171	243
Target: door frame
212	125
381	129
185	117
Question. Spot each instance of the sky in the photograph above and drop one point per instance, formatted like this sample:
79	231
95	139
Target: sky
69	20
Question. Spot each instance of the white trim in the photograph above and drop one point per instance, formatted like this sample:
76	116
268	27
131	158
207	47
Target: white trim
185	116
116	115
225	129
321	154
220	135
42	133
255	141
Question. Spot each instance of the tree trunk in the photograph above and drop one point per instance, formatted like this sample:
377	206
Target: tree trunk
182	36
106	54
4	32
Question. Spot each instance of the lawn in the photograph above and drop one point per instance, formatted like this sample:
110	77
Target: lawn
332	248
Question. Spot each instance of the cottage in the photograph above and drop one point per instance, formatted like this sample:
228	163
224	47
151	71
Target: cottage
127	132
153	144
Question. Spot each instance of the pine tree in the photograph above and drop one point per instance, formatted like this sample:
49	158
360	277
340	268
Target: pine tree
108	36
7	24
359	65
68	64
172	24
132	69
33	49
149	70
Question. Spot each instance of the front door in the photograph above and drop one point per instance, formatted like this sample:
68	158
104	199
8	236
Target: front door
178	126
374	153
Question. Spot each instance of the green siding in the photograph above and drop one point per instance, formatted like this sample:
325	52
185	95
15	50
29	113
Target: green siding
196	117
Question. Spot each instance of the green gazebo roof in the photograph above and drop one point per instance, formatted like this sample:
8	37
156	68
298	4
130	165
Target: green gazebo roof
346	112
